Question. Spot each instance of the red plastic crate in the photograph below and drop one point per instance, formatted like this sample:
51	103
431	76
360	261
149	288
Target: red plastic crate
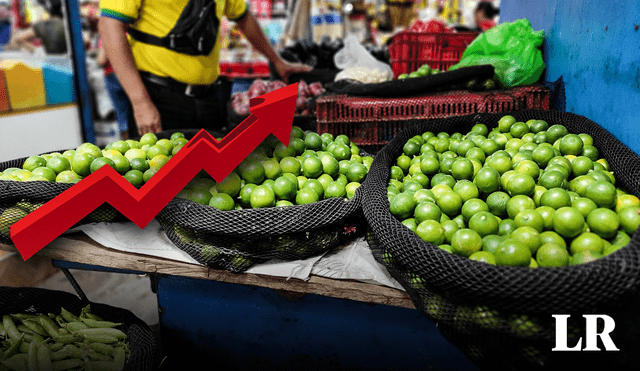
374	121
411	49
245	69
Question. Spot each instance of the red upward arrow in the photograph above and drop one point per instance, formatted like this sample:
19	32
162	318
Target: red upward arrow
270	113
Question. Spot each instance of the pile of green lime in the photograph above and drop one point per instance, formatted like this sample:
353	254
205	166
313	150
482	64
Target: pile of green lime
524	194
424	70
136	160
311	168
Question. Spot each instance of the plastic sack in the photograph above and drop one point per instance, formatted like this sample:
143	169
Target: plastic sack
513	48
354	55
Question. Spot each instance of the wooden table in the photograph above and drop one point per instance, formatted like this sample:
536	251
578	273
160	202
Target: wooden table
251	321
79	248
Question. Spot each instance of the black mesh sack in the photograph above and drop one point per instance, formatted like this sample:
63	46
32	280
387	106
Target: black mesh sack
415	85
501	317
42	301
236	239
20	198
17	199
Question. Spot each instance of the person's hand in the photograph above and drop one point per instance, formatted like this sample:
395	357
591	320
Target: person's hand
286	69
147	118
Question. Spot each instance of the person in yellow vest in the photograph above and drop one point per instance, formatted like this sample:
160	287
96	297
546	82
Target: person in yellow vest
166	55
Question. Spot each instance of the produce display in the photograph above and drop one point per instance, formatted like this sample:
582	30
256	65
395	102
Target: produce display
523	194
63	341
320	56
306	92
311	168
474	84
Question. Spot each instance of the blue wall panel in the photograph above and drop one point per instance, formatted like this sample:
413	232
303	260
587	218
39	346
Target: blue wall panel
595	46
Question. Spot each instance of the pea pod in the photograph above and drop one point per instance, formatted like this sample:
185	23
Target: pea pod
119	357
56	346
24	316
67	364
103	331
86	313
17	362
60	321
48	324
13	348
10	326
73	351
105	339
24	347
75	326
2	330
68	316
103	366
35	327
99	324
25	329
66	339
32	356
44	358
102	348
98	357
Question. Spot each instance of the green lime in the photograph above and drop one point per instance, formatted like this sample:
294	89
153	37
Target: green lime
466	242
430	231
513	253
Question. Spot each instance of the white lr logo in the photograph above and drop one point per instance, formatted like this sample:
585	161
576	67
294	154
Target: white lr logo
591	333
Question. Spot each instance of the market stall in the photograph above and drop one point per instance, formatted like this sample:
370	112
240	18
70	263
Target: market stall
447	197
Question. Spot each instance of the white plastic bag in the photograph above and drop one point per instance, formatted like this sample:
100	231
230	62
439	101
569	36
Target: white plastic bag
354	58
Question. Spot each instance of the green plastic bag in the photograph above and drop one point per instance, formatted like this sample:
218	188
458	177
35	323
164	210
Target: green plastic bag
512	48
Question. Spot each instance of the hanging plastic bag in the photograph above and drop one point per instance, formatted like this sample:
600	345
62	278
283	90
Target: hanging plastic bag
513	48
358	64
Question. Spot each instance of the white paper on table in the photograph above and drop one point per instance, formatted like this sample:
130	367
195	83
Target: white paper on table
352	261
128	237
300	269
355	261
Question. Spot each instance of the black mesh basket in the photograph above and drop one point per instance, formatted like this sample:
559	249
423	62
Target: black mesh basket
450	80
17	199
501	317
20	198
236	239
42	301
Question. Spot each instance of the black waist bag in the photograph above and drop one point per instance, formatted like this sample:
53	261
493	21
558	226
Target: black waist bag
194	33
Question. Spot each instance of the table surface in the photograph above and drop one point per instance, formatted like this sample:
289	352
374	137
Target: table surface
79	248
